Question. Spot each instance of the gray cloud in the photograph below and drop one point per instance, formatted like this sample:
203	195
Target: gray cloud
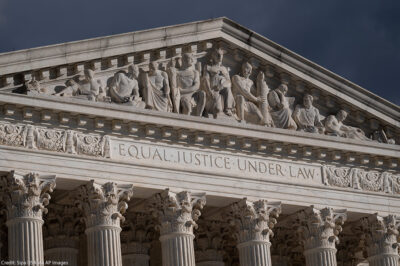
358	40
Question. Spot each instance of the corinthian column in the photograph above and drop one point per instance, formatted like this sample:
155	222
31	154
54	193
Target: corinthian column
103	206
319	230
381	239
61	235
254	221
177	214
26	197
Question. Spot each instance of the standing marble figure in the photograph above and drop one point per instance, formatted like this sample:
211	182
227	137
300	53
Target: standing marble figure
243	87
185	88
156	89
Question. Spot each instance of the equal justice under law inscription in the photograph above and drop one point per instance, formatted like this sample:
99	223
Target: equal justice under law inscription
214	162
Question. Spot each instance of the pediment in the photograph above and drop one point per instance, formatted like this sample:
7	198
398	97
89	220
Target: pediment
44	72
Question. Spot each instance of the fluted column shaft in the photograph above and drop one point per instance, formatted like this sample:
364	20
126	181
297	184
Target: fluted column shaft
384	260
103	206
255	253
104	246
178	249
26	241
321	257
177	214
68	255
26	197
254	222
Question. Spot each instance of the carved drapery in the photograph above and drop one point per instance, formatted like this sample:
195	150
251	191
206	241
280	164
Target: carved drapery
103	206
318	231
254	222
177	214
26	198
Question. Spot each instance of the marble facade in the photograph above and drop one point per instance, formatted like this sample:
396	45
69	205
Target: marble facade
197	144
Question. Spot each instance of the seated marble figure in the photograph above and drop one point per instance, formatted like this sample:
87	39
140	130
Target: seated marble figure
156	89
124	88
246	103
307	116
216	83
187	98
280	108
88	88
334	126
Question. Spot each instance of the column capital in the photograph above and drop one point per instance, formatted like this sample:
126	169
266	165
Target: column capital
103	205
26	196
177	212
63	226
380	235
319	228
254	220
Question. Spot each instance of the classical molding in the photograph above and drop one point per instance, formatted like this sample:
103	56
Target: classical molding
103	205
26	196
177	212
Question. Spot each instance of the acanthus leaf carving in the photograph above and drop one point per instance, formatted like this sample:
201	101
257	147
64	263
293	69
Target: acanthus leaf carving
320	228
103	205
254	220
26	196
177	212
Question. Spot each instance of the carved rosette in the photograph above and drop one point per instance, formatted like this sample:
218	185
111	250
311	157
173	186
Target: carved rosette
209	241
177	212
320	228
380	236
254	220
103	205
26	196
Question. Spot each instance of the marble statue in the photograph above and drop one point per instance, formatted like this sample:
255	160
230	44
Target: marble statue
185	88
307	116
262	92
280	108
334	126
246	103
124	88
217	85
156	89
34	87
87	88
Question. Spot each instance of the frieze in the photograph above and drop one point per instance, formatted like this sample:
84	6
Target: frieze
59	140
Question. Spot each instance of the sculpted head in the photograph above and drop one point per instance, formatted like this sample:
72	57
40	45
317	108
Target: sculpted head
133	70
217	55
307	100
187	60
89	74
153	67
341	115
283	88
246	69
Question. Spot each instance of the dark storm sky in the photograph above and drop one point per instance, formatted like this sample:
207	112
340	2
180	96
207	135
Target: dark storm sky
359	40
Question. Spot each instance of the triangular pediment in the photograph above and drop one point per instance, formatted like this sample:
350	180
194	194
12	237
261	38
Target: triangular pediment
50	72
